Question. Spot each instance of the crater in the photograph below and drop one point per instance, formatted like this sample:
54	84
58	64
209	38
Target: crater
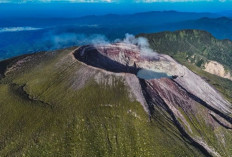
113	59
91	56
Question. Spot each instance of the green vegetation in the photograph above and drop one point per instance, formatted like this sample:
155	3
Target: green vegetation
206	132
200	44
44	111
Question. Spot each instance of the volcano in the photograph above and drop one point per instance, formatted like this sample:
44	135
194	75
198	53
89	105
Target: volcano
110	100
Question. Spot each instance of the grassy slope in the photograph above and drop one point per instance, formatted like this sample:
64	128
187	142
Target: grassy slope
42	115
193	42
181	45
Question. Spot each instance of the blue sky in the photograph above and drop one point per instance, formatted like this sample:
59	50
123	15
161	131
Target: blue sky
106	1
76	8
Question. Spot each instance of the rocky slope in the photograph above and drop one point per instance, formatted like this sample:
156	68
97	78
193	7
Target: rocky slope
218	69
109	100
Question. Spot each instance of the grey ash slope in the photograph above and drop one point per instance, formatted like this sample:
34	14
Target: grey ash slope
199	51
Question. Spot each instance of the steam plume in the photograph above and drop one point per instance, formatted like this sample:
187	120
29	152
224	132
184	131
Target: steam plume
143	45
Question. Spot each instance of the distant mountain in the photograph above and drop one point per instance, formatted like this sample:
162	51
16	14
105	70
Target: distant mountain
220	27
227	13
146	18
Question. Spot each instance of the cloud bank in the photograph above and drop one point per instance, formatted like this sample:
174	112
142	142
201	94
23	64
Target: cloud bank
17	29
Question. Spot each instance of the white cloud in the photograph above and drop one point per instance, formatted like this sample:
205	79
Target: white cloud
17	29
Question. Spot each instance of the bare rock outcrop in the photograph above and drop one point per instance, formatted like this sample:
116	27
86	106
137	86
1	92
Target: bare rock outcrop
218	69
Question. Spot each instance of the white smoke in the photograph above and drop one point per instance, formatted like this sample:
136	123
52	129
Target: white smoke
80	39
143	45
63	40
58	41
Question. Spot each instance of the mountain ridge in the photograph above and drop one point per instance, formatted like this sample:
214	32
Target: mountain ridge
200	41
